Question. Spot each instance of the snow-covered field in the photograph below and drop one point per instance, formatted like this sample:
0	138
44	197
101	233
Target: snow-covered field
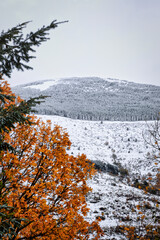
113	198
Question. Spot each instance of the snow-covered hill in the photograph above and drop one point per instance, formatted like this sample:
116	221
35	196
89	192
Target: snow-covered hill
121	144
94	98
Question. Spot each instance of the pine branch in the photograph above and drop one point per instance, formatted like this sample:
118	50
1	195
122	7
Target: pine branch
13	113
15	49
16	114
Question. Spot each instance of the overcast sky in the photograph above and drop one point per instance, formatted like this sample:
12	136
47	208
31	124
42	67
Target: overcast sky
103	38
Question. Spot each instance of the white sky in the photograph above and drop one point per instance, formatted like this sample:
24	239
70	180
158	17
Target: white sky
103	38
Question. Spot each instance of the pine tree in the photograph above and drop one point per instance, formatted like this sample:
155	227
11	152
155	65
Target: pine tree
15	52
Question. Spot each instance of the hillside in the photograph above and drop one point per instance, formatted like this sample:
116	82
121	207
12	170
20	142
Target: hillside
95	98
121	144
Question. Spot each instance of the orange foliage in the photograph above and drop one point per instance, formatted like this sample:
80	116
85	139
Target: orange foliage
44	184
133	233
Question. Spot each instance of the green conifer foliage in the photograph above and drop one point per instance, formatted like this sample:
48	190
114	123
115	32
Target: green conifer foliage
15	53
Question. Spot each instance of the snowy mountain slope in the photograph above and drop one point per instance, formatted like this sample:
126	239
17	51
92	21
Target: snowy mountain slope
99	141
113	198
95	98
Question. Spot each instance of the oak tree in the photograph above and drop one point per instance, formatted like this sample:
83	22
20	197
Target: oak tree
43	184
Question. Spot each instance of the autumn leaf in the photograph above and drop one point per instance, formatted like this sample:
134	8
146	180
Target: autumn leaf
44	184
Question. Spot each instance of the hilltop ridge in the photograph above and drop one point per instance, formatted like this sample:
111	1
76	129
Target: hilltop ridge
94	98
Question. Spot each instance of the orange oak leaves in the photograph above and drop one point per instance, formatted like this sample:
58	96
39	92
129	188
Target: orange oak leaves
44	184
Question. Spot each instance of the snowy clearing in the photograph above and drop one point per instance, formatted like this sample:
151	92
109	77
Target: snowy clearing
113	198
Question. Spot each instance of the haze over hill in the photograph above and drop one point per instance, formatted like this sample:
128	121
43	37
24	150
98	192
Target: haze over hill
94	98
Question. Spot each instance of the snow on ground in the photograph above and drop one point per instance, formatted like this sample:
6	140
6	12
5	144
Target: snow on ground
113	198
108	141
48	83
43	86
